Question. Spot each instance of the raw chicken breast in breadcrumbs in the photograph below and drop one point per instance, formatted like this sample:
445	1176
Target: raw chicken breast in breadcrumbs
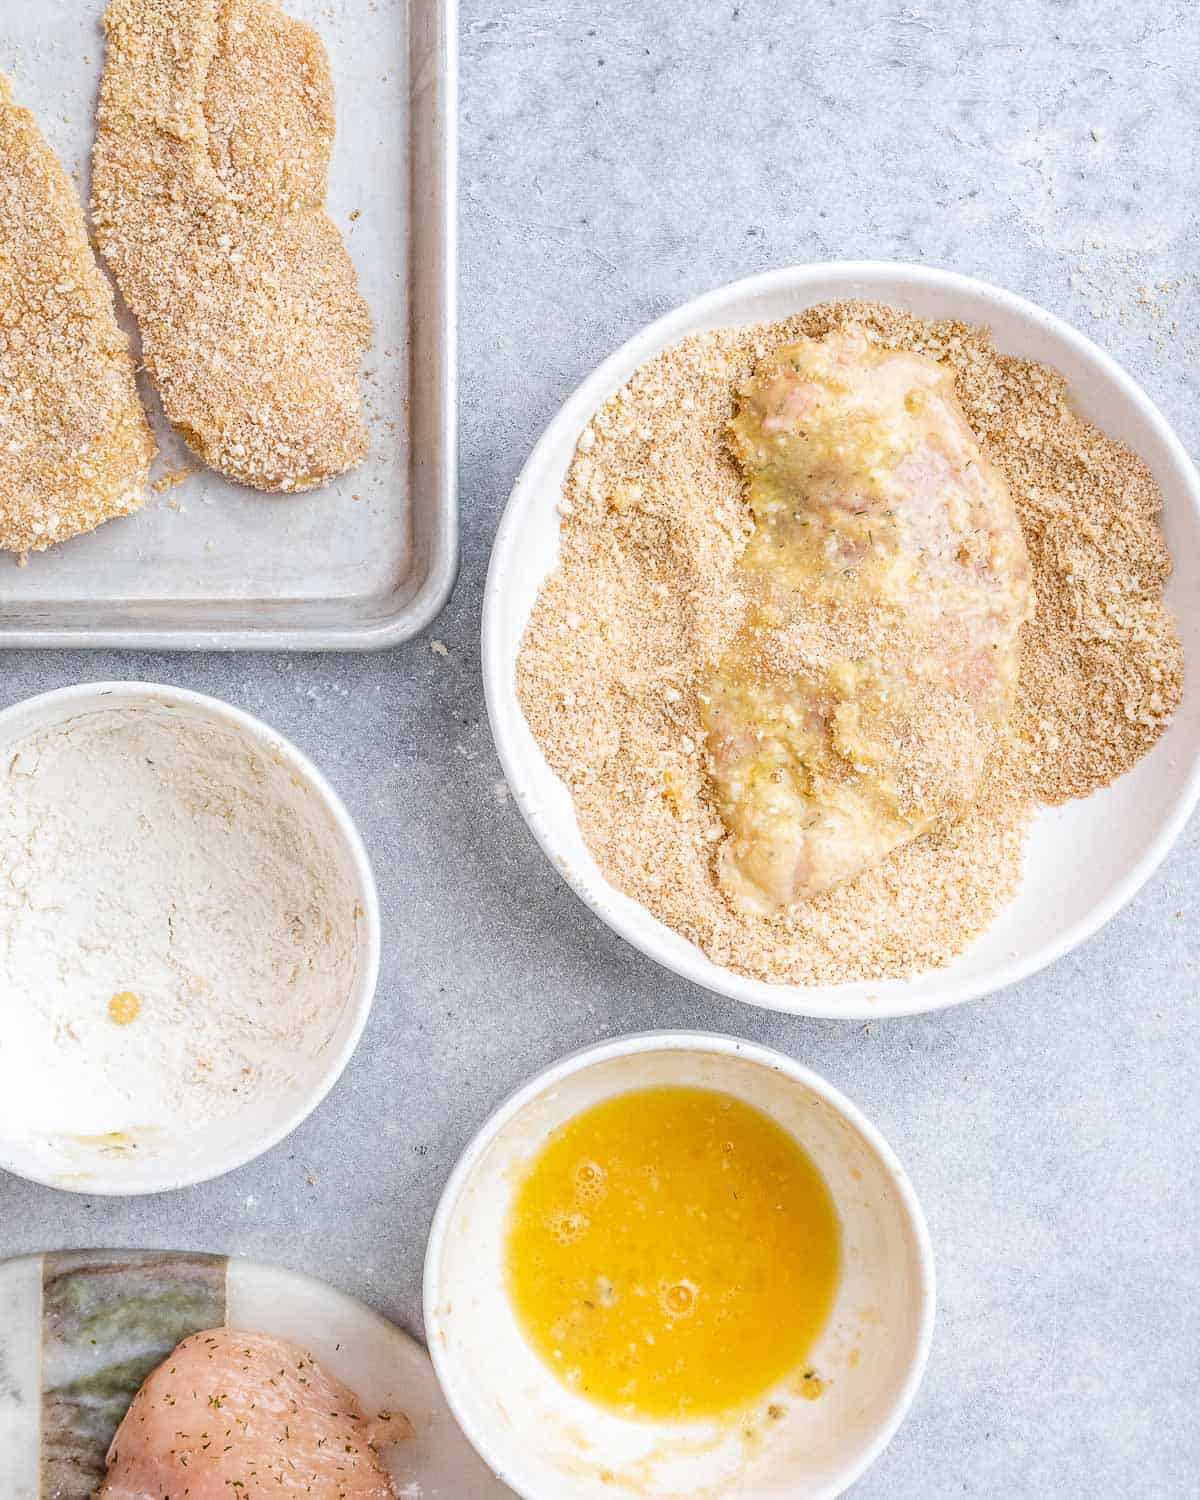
887	582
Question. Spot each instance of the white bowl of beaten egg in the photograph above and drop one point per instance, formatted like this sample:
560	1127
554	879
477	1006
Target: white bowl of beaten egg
679	1265
1109	727
191	937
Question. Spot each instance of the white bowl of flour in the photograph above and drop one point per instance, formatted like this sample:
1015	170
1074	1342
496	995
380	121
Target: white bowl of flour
189	938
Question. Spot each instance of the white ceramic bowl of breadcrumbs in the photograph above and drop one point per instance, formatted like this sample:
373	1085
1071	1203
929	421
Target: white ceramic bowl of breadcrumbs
616	552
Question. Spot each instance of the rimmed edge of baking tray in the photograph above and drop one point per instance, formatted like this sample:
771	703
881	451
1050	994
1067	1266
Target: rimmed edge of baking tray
433	465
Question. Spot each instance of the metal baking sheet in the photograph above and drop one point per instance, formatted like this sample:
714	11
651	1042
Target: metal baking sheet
369	559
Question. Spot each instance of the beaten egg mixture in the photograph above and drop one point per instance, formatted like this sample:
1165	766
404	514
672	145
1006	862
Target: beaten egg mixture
672	1253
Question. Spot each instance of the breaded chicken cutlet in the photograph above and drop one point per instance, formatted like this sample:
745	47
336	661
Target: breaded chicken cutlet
75	446
211	163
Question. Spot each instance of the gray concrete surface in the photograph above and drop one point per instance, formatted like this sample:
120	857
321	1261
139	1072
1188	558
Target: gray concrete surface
619	158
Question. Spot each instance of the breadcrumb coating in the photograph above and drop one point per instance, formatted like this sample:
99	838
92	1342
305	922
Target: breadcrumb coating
646	596
75	446
211	164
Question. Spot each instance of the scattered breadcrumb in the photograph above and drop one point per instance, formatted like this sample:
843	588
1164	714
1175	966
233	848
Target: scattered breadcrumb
211	164
439	648
75	446
654	520
171	478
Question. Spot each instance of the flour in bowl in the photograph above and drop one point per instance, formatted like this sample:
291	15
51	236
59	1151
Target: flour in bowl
177	926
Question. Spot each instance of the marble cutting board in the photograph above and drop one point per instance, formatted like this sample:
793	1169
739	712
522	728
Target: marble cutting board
81	1329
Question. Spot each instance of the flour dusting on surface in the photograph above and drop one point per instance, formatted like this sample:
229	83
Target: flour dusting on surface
177	931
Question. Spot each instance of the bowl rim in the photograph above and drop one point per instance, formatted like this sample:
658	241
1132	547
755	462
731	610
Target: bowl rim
672	1040
504	712
89	696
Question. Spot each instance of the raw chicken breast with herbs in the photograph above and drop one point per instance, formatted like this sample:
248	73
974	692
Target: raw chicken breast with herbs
232	1414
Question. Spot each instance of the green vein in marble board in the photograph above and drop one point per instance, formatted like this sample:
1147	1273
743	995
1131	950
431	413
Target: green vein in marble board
107	1321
